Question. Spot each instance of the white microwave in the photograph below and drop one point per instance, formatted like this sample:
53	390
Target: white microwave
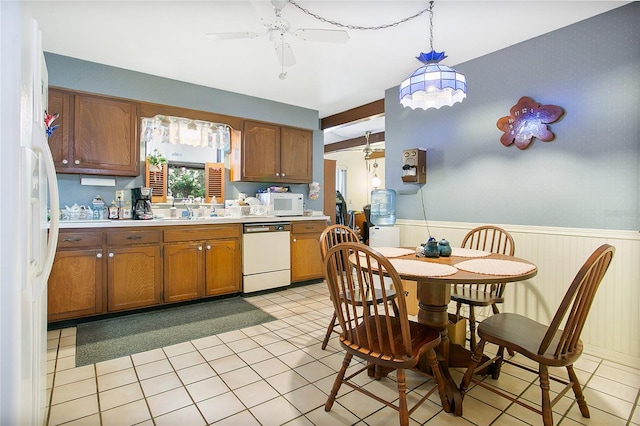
283	203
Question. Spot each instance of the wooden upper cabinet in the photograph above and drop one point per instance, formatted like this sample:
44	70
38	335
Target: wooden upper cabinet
60	103
105	139
271	153
296	153
98	135
260	152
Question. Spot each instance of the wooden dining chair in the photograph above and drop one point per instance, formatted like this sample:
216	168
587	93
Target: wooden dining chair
494	240
336	234
377	337
549	346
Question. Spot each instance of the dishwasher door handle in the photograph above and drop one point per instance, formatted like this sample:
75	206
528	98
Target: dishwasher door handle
254	230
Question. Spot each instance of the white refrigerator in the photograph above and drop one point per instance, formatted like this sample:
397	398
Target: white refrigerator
28	187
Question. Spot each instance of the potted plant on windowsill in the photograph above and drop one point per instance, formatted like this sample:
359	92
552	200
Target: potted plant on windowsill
155	160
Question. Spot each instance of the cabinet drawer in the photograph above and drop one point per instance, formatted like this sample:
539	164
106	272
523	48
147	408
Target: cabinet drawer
73	239
190	233
130	237
308	227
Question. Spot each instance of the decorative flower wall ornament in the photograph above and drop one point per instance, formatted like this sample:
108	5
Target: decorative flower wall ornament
48	120
528	120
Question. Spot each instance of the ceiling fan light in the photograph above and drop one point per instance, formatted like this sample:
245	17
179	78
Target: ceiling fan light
376	182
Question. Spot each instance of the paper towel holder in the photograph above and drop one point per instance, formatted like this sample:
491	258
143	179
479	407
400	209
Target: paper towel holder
414	166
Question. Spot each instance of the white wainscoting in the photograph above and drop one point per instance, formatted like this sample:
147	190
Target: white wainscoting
612	330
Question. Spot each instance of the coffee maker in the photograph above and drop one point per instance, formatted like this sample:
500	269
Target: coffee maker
142	203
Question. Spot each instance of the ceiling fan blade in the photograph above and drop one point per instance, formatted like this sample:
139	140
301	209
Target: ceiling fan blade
232	36
285	54
328	36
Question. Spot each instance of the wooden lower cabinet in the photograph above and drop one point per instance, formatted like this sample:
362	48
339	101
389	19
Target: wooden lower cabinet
223	271
183	271
134	277
306	259
75	284
134	268
201	261
76	281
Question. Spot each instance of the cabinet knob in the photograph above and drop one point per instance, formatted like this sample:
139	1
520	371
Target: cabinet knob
294	240
208	247
199	248
277	174
111	254
76	162
283	175
99	255
65	161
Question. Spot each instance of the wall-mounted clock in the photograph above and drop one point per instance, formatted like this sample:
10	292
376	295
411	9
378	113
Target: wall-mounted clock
527	120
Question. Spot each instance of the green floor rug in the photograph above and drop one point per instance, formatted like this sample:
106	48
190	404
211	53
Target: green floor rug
117	337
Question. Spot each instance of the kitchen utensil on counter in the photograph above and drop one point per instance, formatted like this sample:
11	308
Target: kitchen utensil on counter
142	203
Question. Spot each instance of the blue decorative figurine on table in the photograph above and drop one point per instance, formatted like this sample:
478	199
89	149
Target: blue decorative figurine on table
431	248
444	248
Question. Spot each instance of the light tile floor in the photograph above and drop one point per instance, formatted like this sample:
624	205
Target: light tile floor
276	373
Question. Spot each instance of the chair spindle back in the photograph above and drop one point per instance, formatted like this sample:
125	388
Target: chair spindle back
370	333
577	303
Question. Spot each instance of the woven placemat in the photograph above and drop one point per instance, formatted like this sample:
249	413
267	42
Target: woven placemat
465	252
393	251
495	267
421	268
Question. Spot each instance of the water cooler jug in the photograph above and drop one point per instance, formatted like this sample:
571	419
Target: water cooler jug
383	207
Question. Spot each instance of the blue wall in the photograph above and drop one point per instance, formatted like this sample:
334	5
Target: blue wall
587	177
86	76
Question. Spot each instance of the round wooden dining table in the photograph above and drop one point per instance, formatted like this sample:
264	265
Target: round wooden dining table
434	277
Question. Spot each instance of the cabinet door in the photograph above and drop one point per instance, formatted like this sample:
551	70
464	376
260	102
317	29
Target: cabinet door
75	284
306	259
183	271
223	266
296	155
60	103
104	137
260	152
134	277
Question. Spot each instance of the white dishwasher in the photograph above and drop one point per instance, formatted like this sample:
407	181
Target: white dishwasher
266	258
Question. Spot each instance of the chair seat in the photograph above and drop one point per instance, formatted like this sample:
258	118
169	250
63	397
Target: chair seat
391	294
473	297
423	338
524	335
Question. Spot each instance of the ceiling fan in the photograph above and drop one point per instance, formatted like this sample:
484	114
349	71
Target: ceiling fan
279	29
370	152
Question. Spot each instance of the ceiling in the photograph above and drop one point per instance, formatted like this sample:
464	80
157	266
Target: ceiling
167	39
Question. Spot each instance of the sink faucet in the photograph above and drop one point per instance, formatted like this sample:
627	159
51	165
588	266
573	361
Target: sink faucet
188	204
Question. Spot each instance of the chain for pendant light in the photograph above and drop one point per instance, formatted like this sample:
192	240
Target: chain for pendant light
359	27
431	25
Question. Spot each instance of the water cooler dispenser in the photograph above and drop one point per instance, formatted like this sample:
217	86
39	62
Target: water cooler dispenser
383	217
383	207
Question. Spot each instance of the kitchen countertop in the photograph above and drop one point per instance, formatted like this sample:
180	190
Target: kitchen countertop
71	224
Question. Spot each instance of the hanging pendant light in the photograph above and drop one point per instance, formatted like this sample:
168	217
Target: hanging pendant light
433	85
375	181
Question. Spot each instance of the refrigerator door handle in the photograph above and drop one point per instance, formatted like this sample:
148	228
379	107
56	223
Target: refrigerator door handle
41	145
